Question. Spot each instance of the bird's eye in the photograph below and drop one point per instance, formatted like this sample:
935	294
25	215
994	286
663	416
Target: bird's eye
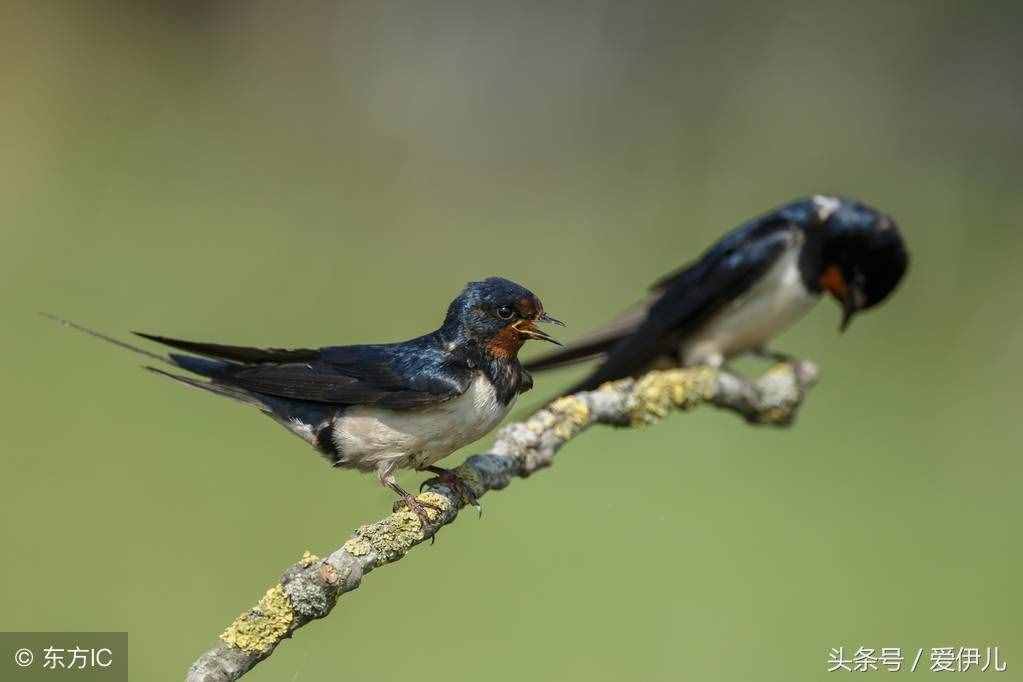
505	312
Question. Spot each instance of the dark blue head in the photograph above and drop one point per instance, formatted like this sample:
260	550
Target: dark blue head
863	257
499	315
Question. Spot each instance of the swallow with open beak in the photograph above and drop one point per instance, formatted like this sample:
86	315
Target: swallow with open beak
747	288
382	408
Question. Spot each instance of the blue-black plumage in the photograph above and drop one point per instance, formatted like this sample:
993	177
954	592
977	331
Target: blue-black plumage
747	288
381	407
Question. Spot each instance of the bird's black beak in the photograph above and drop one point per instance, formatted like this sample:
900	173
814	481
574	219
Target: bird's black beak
849	295
529	329
853	301
544	317
848	310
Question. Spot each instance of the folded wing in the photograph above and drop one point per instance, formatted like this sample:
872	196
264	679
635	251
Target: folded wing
343	375
687	298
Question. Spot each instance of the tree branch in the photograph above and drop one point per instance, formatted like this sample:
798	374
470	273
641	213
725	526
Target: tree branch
310	588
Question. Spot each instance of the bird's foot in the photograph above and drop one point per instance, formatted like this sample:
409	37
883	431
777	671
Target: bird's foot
416	506
456	483
419	508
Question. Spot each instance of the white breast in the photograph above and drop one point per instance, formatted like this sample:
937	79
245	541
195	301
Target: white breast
752	320
378	438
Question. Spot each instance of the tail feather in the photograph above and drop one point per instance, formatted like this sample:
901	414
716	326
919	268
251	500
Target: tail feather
242	354
571	355
211	386
207	368
597	342
631	357
297	417
109	339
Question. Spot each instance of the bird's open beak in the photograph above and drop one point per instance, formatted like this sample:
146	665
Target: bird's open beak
544	317
528	329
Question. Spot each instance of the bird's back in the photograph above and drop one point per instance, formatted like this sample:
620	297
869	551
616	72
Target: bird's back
685	300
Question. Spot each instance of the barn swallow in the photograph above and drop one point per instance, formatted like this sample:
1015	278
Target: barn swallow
384	407
748	287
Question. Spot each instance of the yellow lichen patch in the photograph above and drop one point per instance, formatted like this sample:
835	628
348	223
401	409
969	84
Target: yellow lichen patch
259	629
657	392
571	415
437	500
704	381
615	386
308	559
541	421
357	546
573	408
396	534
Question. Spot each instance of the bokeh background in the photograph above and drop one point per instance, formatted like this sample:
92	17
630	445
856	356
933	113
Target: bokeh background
294	174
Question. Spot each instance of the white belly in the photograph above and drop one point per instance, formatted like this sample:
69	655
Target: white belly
382	439
752	320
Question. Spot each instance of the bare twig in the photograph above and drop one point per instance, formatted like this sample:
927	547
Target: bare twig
310	588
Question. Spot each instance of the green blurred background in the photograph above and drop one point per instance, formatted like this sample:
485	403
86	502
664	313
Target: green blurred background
273	173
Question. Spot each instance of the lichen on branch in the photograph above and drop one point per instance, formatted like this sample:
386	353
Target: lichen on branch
310	588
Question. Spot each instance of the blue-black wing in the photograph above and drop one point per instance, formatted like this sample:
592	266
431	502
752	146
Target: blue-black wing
681	301
412	374
244	354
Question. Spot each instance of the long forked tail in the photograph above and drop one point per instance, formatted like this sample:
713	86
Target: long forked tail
211	386
202	366
109	339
